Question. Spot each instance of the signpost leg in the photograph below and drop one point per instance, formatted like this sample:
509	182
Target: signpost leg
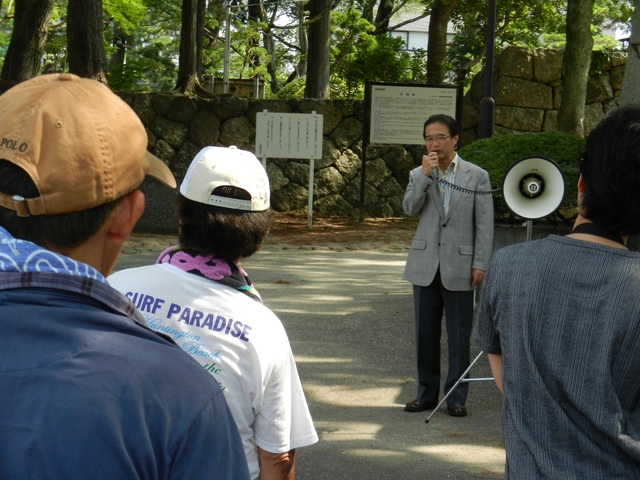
310	205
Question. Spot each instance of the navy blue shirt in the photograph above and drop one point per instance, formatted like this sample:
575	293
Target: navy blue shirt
88	391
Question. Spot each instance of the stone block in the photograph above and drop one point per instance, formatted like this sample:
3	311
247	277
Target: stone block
204	129
515	92
547	65
515	62
238	131
598	89
520	119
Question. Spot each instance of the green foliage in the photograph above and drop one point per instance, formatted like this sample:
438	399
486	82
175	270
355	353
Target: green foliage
151	60
6	26
247	59
150	64
359	56
293	89
418	66
612	13
518	22
54	58
127	14
498	154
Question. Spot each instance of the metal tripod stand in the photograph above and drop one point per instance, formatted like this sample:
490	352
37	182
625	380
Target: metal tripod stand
462	379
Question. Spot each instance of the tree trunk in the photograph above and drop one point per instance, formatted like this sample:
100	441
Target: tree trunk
272	67
367	10
383	16
301	68
200	23
437	47
85	46
30	26
256	14
631	84
120	40
188	61
575	65
319	60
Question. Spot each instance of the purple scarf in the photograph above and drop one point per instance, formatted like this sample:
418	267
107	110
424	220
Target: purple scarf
210	267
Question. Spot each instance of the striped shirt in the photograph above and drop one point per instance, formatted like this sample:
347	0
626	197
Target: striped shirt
565	316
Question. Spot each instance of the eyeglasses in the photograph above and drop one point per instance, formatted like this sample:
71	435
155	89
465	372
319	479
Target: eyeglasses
437	138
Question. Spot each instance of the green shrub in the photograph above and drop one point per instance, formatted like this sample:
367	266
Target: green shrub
497	154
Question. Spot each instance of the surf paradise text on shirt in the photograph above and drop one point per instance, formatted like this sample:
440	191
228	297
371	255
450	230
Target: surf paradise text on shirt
197	318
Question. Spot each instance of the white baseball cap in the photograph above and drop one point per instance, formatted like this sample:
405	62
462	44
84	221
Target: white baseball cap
215	167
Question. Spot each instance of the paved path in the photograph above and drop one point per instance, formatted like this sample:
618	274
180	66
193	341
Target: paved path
349	317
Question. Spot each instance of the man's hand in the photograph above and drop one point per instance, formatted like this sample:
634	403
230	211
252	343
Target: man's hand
476	277
429	163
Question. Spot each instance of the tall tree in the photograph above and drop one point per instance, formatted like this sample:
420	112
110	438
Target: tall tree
30	25
319	59
437	47
383	16
188	61
119	48
200	34
85	45
631	83
256	13
258	16
303	41
575	66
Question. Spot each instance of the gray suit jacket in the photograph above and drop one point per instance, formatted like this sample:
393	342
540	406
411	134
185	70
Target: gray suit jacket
456	243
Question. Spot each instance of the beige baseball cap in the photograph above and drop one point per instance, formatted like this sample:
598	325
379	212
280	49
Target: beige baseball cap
215	167
80	143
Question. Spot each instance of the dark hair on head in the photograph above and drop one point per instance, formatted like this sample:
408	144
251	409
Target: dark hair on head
610	169
223	232
445	120
62	232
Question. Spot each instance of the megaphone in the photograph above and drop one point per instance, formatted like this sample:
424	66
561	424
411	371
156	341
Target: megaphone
533	187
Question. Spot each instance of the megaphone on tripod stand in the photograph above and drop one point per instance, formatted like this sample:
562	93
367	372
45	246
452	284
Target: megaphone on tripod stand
533	188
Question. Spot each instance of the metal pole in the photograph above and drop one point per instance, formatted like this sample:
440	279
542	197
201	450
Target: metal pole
487	104
460	380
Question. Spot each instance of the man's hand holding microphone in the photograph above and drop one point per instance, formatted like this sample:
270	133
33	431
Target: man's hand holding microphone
429	163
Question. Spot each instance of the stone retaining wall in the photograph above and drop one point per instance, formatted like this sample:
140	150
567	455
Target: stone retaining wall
528	91
527	95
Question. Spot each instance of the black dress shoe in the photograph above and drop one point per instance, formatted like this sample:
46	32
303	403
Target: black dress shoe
457	410
415	406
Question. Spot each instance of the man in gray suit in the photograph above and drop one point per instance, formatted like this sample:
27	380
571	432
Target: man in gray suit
448	256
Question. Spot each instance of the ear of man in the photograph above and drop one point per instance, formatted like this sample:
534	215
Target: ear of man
125	216
102	250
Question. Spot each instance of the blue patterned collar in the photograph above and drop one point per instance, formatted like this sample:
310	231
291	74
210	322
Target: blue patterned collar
21	256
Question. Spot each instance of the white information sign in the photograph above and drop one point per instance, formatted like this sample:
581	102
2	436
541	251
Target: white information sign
398	112
288	135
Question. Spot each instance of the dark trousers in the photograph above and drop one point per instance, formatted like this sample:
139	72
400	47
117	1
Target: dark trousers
430	302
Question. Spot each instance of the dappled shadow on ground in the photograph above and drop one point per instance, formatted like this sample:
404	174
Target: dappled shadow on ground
371	233
292	231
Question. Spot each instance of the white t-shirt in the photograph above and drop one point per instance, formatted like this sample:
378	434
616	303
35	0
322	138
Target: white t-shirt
239	341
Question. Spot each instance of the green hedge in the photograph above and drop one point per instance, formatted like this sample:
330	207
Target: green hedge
498	154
